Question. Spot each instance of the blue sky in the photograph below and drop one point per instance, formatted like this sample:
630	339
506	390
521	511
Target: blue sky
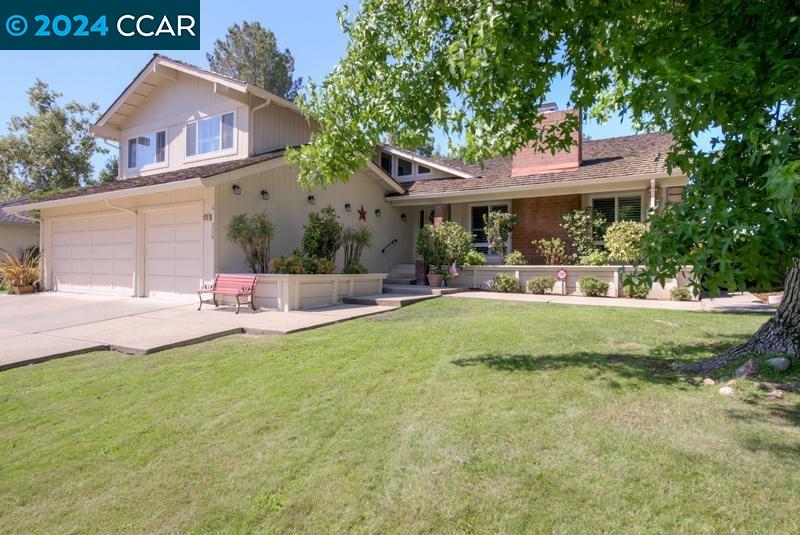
309	28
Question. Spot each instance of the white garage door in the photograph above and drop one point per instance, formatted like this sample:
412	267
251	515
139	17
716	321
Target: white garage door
94	254
174	252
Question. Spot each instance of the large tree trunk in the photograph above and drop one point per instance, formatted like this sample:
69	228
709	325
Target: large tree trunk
781	334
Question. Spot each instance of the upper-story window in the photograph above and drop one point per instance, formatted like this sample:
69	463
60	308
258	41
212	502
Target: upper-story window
209	135
147	149
422	170
403	167
386	162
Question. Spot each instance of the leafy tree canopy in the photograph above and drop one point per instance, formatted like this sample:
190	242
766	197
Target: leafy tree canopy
110	172
48	149
250	52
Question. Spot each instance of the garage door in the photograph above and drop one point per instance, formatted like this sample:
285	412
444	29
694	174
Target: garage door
173	252
94	254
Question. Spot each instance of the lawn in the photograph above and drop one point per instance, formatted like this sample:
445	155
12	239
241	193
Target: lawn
449	415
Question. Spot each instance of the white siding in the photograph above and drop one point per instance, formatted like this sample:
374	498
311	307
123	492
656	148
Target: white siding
15	237
275	127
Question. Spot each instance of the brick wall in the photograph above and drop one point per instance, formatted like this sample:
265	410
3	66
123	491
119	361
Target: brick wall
540	218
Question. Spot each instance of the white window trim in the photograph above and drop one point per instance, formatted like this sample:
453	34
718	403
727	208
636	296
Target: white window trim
149	166
617	195
217	153
489	204
414	167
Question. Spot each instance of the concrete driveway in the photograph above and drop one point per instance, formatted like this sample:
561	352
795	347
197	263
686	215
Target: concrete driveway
39	327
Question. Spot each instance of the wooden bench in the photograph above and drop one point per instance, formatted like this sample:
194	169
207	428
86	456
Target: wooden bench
233	285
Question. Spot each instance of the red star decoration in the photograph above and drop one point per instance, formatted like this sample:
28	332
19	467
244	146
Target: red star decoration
362	214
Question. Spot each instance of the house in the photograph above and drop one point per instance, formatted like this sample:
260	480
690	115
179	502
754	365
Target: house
17	231
197	148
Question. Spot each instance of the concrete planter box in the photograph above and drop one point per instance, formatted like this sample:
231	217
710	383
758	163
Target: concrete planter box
296	292
478	277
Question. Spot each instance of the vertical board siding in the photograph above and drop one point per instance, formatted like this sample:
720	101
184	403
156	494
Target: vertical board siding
275	127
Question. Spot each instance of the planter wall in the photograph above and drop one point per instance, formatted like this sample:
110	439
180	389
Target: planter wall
478	277
297	292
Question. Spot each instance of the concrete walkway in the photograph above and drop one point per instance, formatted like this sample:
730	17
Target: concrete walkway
40	327
733	303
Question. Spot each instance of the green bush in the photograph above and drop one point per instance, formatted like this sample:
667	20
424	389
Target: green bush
297	264
623	240
442	245
322	236
594	258
253	234
355	269
636	291
505	283
593	287
354	241
553	250
680	294
474	258
498	228
515	259
541	285
584	228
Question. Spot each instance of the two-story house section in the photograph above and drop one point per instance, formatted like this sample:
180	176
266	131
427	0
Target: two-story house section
197	148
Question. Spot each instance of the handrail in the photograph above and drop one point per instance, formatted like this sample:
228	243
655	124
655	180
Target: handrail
388	245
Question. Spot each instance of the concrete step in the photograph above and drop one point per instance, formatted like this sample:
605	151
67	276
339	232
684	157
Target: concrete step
418	289
399	279
397	301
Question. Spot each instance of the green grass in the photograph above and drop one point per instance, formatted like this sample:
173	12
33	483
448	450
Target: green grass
450	415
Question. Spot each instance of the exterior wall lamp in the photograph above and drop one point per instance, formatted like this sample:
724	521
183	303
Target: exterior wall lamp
347	207
265	194
312	200
403	217
237	190
377	212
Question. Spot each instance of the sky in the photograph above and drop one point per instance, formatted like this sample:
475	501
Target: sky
309	29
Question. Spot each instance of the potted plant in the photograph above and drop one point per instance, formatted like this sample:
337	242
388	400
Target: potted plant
20	273
441	246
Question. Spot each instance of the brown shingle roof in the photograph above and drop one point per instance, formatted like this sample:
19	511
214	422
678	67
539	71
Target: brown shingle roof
201	171
12	218
602	158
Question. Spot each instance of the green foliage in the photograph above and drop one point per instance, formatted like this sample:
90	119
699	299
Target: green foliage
355	269
474	258
253	234
354	241
20	271
498	228
110	172
516	258
319	266
504	283
322	236
596	257
50	149
553	250
442	245
680	294
593	287
250	53
298	264
479	70
636	289
584	228
623	241
541	285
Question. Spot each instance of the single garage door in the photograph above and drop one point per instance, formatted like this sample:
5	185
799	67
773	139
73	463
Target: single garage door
173	252
94	254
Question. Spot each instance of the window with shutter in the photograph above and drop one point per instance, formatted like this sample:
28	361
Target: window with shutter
606	206
478	227
630	208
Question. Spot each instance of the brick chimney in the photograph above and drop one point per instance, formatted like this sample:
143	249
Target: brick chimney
528	161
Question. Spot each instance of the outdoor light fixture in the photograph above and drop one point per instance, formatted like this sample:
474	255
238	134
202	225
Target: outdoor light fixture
237	190
311	199
403	218
377	212
265	194
347	207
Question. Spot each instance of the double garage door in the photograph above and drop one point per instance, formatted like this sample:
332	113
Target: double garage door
99	254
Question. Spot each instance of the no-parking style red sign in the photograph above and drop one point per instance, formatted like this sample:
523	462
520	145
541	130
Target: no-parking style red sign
561	274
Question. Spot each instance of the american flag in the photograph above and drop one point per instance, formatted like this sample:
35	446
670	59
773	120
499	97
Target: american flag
453	270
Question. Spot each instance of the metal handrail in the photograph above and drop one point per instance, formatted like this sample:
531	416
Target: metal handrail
388	245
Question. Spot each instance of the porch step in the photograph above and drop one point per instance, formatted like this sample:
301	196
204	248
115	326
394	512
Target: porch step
415	289
402	274
399	279
397	301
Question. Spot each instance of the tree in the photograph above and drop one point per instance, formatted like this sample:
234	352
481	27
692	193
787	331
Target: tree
250	52
50	149
253	234
479	70
498	227
110	172
427	148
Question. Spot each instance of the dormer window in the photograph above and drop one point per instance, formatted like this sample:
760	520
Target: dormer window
403	167
422	170
210	135
147	149
386	162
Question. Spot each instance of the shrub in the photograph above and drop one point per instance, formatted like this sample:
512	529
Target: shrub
354	241
553	250
541	285
355	269
322	236
515	259
505	283
253	234
20	271
321	266
498	228
584	228
594	258
680	294
593	287
442	245
474	258
636	291
292	264
622	241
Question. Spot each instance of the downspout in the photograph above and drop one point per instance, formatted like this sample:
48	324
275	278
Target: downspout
251	126
136	272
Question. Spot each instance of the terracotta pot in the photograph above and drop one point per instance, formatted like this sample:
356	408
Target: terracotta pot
23	289
434	280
